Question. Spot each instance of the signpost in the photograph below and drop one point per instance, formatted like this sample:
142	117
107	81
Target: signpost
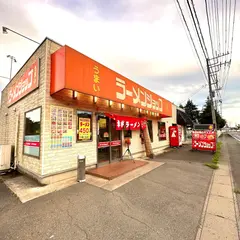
204	138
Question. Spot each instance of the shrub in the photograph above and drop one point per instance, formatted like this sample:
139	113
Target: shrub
215	159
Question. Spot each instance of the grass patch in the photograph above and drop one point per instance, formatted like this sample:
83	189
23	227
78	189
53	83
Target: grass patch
237	190
215	160
212	165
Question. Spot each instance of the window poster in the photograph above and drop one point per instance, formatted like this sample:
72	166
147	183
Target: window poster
61	127
84	129
32	145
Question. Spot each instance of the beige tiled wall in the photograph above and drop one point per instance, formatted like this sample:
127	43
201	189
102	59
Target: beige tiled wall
57	160
8	115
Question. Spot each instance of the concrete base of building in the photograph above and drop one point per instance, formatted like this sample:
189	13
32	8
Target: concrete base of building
51	178
72	173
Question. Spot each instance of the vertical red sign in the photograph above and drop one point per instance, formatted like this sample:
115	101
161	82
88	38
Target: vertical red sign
27	83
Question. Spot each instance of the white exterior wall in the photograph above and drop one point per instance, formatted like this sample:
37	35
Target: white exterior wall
138	149
53	161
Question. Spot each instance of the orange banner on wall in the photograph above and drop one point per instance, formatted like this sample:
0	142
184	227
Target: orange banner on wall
27	83
73	70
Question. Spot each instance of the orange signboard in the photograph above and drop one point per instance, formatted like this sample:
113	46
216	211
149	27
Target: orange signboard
27	83
73	70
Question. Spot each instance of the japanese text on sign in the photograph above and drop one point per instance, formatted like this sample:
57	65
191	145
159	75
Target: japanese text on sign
130	124
204	140
27	83
96	79
84	129
139	97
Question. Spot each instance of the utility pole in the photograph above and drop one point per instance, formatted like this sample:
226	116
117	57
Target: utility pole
13	59
214	120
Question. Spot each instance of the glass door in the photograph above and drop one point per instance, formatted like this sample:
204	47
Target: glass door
116	142
109	144
103	139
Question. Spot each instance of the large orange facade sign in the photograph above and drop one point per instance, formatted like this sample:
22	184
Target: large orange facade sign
73	70
27	83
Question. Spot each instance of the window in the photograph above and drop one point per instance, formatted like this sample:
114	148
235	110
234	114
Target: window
162	131
32	133
84	126
127	133
150	129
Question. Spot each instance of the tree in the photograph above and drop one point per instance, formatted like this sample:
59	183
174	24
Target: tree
181	106
206	115
192	110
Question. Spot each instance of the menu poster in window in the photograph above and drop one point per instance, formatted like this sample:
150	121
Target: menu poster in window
102	123
162	132
84	129
61	127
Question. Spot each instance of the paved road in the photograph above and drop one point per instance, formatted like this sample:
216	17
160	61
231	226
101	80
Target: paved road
233	147
185	154
163	204
235	134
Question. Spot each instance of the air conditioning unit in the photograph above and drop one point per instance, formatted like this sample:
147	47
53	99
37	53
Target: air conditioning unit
5	157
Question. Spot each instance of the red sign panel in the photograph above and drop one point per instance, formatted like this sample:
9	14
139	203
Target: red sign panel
27	83
73	70
128	123
108	144
103	144
115	143
204	140
32	144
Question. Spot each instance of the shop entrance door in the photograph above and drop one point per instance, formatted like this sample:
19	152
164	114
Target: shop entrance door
109	145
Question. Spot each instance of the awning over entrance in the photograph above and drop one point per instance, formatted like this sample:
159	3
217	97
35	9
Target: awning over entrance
75	71
128	123
183	119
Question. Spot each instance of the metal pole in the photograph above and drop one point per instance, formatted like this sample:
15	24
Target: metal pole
11	68
22	35
214	120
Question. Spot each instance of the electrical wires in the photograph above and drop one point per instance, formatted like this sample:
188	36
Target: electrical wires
194	93
191	38
215	45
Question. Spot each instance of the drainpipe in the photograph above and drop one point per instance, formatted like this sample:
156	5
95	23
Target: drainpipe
16	142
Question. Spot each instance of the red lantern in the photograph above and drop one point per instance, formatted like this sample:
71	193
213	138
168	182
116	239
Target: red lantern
127	141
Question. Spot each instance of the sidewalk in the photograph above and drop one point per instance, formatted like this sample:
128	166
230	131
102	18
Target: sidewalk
220	214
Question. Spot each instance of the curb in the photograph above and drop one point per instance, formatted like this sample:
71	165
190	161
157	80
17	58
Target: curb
204	211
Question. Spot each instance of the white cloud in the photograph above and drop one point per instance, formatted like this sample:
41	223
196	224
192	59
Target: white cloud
147	41
113	42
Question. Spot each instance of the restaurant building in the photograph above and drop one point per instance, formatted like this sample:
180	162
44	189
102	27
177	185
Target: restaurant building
62	103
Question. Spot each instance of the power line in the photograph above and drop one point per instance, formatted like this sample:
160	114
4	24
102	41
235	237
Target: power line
194	93
221	26
189	32
4	77
231	47
229	20
218	29
209	28
199	32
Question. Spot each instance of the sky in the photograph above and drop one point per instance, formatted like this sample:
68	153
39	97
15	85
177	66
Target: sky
143	40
